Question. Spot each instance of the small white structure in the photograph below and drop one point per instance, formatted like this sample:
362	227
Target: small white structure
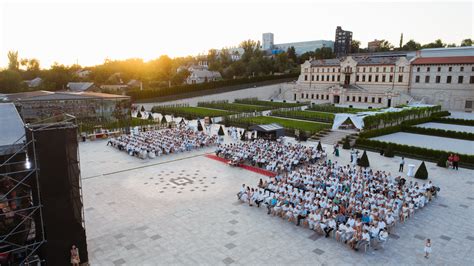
202	75
33	83
80	86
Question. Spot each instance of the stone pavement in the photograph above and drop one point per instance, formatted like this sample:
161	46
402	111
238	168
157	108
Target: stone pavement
182	210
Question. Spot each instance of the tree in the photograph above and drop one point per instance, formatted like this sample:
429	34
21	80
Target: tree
139	114
221	131
451	45
243	136
411	45
364	160
57	77
466	42
401	41
422	172
346	145
324	53
385	46
150	116
200	128
142	109
292	54
436	44
319	147
10	81
163	120
13	62
355	46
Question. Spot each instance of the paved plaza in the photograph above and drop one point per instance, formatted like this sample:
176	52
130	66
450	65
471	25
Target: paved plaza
181	209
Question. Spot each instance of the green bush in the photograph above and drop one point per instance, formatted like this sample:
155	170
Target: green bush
455	121
233	107
442	160
439	133
346	145
221	131
329	108
422	172
150	116
364	160
271	104
389	152
199	125
139	114
395	118
320	147
306	115
163	120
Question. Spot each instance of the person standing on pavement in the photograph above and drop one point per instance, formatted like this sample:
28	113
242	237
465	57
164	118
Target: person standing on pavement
402	163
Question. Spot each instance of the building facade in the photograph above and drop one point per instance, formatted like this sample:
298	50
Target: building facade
374	45
267	41
300	47
390	79
342	42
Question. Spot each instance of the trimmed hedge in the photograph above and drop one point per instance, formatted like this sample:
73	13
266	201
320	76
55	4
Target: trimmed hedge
272	105
306	115
233	107
161	92
439	132
455	121
417	152
188	112
396	118
329	108
422	172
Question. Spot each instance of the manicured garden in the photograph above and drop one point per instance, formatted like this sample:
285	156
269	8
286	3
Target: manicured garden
90	126
233	107
273	105
189	112
306	115
310	127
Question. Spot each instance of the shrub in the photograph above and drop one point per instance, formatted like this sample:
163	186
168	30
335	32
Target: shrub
150	116
442	160
422	172
242	138
200	126
320	147
143	109
221	131
139	114
364	160
346	145
163	120
389	151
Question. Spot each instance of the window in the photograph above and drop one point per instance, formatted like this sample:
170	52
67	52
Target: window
307	96
317	96
438	79
450	69
427	79
391	69
333	70
312	77
384	69
373	99
327	97
333	78
468	105
363	69
322	70
363	78
417	79
317	77
472	69
312	96
471	80
461	69
338	78
322	77
448	79
347	98
305	70
439	69
339	70
357	78
302	95
370	69
428	69
400	78
460	79
358	69
366	99
360	99
305	77
383	78
391	78
353	98
418	69
377	69
376	78
370	78
380	100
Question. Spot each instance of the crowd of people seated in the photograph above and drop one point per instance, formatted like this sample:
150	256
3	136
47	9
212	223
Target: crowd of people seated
275	156
152	144
357	206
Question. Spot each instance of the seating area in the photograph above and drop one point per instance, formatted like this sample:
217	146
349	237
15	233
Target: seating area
356	206
152	144
275	156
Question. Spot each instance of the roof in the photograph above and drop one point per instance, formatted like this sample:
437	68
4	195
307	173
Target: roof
267	127
34	82
326	62
79	86
12	130
205	74
375	60
61	95
443	60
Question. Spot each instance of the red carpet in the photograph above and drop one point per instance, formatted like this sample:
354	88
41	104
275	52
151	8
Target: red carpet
246	167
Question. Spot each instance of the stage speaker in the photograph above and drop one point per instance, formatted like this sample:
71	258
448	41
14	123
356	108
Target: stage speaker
56	150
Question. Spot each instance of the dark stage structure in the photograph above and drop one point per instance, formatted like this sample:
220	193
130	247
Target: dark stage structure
41	190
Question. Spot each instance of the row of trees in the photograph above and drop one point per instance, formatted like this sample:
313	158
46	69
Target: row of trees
411	45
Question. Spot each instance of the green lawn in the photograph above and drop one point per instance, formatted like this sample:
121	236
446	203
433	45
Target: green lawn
234	107
190	112
312	127
306	115
273	105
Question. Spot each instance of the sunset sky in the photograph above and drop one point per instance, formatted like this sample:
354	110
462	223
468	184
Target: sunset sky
90	31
